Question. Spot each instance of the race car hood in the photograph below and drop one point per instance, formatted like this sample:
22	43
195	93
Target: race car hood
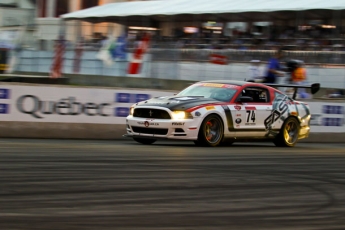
178	103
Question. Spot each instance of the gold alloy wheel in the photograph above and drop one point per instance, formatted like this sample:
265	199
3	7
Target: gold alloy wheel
291	132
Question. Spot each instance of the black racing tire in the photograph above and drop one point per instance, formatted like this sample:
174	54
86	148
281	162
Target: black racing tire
198	143
288	135
227	142
211	131
144	141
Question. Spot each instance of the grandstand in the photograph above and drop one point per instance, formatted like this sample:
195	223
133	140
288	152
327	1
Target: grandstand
312	30
300	25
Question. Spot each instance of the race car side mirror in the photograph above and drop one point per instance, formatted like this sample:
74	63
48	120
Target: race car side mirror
245	99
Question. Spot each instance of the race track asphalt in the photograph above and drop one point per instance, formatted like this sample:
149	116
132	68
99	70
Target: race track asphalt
86	184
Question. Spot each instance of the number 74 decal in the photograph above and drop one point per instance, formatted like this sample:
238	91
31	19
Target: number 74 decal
250	116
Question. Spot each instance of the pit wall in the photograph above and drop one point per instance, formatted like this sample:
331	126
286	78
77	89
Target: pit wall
67	112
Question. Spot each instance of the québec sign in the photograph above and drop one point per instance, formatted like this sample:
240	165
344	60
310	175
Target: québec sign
34	106
69	104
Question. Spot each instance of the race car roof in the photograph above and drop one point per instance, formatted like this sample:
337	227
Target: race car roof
230	82
163	8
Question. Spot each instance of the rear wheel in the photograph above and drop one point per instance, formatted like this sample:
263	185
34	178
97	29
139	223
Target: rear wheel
288	134
144	141
211	131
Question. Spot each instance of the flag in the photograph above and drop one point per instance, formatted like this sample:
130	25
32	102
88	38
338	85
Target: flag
118	51
56	68
112	50
104	53
218	59
77	57
137	59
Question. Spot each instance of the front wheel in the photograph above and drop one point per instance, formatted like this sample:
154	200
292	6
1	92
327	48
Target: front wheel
288	134
211	131
227	142
144	141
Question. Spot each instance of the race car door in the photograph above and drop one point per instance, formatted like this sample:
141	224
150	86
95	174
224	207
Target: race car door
250	116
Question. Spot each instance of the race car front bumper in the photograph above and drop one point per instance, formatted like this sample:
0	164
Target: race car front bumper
304	132
186	129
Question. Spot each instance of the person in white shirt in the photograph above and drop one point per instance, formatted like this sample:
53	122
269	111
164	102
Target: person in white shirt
254	70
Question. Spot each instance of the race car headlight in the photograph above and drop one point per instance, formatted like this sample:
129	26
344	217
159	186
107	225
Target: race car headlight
178	115
131	111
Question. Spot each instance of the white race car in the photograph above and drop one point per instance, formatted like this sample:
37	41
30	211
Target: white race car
211	113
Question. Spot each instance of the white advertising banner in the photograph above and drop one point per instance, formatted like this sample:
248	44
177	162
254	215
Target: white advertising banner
327	116
68	104
111	106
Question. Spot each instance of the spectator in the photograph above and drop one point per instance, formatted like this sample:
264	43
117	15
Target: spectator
273	68
254	71
299	75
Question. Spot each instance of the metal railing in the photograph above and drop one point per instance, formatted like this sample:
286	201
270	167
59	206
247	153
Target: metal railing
202	55
40	61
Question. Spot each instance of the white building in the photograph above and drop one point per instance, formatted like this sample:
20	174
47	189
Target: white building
17	22
49	24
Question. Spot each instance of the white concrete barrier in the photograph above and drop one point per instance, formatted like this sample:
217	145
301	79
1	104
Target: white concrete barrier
41	111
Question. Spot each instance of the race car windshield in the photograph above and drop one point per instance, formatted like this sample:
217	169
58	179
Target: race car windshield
219	92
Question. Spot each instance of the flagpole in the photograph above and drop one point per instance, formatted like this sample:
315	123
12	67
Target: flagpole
57	64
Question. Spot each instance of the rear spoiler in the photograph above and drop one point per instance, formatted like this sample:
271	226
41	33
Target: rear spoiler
314	88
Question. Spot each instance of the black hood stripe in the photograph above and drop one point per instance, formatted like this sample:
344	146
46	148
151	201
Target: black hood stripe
173	103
